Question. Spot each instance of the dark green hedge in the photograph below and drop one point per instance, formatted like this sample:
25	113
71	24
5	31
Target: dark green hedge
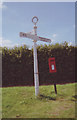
17	65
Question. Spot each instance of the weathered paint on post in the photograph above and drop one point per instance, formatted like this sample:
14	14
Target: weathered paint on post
36	76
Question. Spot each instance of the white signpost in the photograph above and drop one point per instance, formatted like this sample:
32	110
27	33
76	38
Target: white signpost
35	39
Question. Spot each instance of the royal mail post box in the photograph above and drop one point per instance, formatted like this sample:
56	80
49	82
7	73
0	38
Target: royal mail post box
52	65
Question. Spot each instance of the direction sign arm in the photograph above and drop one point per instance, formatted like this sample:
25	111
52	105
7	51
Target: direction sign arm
34	37
44	39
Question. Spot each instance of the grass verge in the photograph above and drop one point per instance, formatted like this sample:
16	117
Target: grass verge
20	102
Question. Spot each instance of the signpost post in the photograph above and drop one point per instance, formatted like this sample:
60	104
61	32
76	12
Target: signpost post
36	76
35	39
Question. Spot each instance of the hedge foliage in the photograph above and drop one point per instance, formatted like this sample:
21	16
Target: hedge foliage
17	65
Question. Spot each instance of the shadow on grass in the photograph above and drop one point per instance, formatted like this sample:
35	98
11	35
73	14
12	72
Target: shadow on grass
53	92
74	98
46	97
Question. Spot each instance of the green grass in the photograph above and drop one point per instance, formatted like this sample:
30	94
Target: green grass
20	102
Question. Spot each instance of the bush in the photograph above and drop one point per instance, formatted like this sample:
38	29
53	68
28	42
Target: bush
17	65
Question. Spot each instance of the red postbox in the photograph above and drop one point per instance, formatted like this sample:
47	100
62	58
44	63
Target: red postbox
52	65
